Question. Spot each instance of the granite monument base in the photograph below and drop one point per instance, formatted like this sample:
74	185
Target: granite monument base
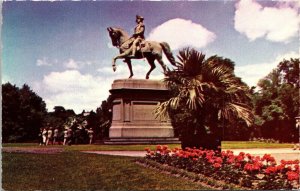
133	118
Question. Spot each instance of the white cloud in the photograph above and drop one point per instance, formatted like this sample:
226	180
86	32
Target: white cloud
71	64
181	33
72	90
43	62
75	90
252	73
278	24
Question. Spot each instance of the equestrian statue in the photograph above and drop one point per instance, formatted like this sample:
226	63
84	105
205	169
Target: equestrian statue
136	47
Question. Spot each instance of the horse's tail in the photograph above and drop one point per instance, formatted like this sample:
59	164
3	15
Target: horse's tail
167	50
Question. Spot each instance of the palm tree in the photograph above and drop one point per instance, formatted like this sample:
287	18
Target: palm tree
205	94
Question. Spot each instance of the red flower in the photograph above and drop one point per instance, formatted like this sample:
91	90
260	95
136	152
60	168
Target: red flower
296	168
240	158
217	165
241	154
230	160
158	147
271	169
238	165
252	167
268	158
292	175
219	160
280	167
147	149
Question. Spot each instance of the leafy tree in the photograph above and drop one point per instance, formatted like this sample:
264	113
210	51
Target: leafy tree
205	94
276	103
104	116
23	113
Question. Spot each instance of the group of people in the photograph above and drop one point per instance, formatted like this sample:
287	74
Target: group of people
50	135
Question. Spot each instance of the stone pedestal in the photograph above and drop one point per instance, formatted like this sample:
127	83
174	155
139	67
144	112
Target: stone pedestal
134	102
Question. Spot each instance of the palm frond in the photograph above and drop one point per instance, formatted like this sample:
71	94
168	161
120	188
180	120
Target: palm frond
232	110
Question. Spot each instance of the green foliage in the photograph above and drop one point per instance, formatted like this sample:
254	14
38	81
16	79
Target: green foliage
23	113
104	117
206	93
276	103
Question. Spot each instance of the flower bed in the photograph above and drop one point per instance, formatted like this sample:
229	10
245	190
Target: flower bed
244	169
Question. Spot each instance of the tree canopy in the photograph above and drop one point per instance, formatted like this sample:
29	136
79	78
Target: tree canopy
276	102
22	113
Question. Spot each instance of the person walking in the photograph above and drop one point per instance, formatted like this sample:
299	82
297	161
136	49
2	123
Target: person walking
55	136
65	136
44	134
69	136
40	135
49	136
91	135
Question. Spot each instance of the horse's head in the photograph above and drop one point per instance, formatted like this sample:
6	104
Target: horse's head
114	35
118	36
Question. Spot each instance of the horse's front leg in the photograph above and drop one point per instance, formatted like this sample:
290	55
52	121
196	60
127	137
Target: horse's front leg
115	59
122	55
114	64
128	61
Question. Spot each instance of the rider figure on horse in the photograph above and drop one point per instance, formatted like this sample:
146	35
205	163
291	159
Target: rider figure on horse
138	35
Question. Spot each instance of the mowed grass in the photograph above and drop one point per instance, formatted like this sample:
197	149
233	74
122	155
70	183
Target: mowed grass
225	145
72	170
253	145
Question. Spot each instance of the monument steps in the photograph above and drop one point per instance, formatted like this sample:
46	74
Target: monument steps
148	140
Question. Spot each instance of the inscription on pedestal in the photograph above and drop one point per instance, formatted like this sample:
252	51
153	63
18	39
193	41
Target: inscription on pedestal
143	111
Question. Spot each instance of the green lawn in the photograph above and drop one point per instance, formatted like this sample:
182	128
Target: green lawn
72	170
252	145
225	145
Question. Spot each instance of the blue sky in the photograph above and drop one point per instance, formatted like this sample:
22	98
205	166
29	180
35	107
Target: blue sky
63	51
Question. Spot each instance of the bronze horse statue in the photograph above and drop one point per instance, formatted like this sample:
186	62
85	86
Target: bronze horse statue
150	50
